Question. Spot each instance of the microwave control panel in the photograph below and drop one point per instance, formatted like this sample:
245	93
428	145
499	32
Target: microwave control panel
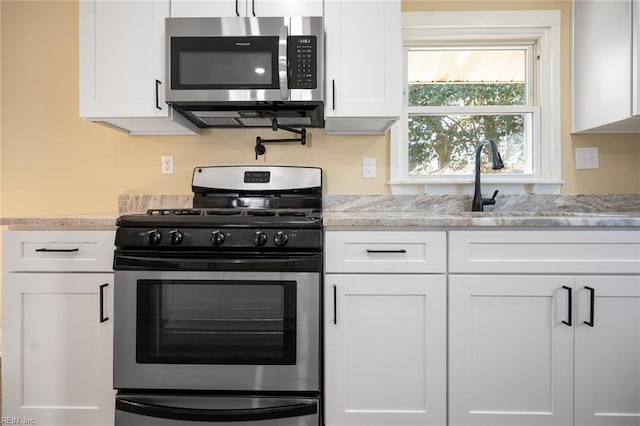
303	62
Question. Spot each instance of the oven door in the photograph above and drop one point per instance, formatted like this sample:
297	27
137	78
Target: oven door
178	410
225	331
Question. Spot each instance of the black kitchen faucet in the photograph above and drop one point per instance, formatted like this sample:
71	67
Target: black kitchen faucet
478	202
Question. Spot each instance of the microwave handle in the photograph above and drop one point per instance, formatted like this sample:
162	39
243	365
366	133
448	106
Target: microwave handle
282	62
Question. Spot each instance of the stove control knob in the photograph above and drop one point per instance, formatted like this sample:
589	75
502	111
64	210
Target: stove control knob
217	238
259	238
175	237
154	237
280	238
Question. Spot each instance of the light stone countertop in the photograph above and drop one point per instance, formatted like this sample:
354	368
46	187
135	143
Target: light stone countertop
397	211
452	211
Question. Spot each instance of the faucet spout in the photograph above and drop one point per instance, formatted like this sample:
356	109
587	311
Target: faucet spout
478	202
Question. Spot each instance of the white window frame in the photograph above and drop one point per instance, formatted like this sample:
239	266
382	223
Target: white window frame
541	27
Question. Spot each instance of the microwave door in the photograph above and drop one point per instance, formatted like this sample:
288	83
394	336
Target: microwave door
282	62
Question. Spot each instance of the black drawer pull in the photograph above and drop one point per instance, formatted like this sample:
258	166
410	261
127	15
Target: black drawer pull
102	317
158	83
335	305
592	304
46	250
400	251
333	94
569	306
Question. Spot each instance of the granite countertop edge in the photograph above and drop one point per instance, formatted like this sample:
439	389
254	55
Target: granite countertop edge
342	220
70	222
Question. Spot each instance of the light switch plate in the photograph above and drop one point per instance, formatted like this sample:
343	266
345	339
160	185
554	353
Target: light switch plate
587	158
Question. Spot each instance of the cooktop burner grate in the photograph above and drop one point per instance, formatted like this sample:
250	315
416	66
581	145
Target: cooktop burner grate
235	212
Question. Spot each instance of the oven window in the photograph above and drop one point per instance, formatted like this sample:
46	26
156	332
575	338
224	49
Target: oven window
216	322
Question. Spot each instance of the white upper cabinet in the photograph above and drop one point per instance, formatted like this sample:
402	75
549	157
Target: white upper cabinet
122	67
606	64
364	66
213	8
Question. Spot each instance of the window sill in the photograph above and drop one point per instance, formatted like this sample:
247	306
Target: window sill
467	187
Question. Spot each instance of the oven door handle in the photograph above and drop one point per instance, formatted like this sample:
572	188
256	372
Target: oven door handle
131	405
209	262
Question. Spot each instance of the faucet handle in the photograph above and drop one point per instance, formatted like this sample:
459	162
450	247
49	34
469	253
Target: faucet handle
490	201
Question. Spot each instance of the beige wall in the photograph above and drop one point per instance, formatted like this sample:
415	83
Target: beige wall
52	162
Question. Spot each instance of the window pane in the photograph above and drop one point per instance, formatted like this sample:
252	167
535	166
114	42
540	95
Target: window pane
467	77
446	144
472	94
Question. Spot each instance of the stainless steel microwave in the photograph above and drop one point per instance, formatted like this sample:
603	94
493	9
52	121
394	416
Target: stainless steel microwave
245	72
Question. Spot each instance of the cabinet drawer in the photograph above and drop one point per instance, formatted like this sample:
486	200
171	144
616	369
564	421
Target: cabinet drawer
72	251
551	251
385	251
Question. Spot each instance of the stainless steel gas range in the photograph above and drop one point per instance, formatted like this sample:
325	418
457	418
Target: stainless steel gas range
217	308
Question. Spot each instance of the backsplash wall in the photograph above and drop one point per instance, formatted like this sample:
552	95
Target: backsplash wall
54	163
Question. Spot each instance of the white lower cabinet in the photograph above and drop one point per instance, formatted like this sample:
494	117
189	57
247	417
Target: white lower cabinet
57	317
544	328
57	360
385	357
522	350
385	328
607	354
510	354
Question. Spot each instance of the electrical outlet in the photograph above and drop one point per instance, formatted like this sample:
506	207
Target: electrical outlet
167	164
368	167
587	158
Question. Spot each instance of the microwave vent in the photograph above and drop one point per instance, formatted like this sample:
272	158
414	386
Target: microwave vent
266	121
220	121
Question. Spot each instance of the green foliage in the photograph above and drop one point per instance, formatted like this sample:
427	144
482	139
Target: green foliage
446	143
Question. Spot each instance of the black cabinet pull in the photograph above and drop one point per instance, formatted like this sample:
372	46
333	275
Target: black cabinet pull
400	251
158	83
237	12
569	306
335	305
592	304
333	94
253	7
47	250
102	317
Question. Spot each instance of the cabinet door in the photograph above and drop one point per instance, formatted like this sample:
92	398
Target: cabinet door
385	350
284	7
208	8
635	73
215	8
607	364
363	58
121	58
510	354
57	360
604	63
122	66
